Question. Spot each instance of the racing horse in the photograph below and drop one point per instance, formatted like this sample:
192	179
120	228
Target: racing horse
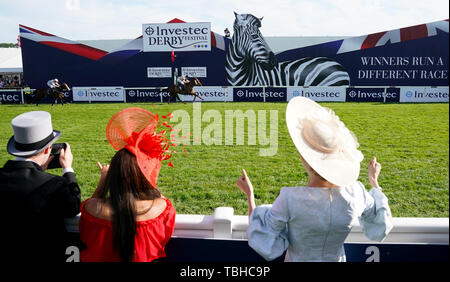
56	94
174	90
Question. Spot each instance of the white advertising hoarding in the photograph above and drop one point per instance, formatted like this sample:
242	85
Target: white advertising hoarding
98	94
194	71
423	94
319	94
167	37
161	72
210	94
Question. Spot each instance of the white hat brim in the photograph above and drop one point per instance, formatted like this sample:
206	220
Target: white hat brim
335	169
11	147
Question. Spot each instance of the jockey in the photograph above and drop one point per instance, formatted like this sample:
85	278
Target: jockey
181	81
53	83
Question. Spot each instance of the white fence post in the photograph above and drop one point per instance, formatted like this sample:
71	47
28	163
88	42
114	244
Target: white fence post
264	94
223	221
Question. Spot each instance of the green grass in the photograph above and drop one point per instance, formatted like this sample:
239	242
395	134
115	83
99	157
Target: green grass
411	141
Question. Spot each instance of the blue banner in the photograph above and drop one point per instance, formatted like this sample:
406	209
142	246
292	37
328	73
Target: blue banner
388	95
248	94
392	95
411	56
275	94
10	97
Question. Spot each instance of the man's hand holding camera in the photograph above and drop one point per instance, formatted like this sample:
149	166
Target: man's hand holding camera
60	156
66	157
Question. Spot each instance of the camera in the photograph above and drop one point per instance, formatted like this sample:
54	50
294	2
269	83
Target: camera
56	150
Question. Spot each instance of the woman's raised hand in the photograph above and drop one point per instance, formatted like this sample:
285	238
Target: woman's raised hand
244	184
374	172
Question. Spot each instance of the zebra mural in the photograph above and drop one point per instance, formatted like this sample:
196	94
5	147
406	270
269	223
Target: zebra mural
251	62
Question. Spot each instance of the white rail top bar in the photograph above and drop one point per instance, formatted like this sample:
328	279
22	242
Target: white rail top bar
223	224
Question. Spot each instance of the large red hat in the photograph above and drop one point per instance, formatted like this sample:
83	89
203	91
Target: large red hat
135	130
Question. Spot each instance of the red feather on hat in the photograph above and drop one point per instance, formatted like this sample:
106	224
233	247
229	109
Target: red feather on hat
135	130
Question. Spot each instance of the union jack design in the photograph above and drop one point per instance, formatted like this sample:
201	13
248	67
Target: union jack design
393	36
130	49
61	43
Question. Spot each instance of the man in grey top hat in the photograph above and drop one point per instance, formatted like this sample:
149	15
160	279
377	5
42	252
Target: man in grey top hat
34	203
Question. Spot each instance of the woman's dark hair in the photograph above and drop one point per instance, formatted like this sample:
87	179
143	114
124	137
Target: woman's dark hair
126	184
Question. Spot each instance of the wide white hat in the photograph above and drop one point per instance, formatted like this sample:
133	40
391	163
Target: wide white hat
324	141
33	132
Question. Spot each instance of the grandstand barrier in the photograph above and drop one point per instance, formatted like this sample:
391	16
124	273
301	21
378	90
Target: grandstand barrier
388	94
222	237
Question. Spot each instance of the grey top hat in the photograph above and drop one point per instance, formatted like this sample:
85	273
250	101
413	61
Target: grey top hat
33	132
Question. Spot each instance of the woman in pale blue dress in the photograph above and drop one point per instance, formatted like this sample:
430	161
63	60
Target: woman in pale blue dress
312	222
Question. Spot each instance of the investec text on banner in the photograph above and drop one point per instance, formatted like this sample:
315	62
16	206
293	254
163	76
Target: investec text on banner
167	37
98	94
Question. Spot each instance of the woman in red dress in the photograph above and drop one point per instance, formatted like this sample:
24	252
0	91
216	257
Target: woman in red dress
127	218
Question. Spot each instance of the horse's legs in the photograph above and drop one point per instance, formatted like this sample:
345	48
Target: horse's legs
61	99
180	98
196	95
170	98
34	99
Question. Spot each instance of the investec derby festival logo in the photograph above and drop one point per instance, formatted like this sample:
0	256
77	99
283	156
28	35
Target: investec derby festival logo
352	94
409	93
191	36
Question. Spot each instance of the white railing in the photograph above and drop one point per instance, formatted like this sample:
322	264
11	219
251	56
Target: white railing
223	224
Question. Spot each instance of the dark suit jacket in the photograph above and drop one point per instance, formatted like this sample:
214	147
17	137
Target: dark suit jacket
33	205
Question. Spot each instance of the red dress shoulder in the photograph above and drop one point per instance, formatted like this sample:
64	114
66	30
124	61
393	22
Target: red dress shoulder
151	236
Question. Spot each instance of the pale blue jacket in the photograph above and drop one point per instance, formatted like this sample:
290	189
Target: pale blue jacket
312	223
